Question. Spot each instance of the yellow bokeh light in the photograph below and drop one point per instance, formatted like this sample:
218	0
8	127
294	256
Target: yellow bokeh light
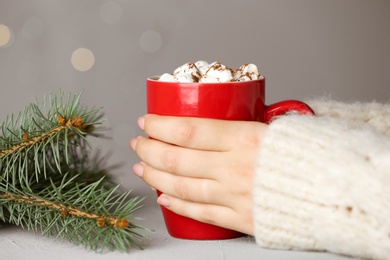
83	59
5	35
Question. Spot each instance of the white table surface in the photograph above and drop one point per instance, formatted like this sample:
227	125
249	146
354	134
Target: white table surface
18	244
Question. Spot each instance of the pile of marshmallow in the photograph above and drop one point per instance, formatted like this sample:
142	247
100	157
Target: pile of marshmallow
201	71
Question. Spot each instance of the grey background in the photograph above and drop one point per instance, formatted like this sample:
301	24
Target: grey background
305	49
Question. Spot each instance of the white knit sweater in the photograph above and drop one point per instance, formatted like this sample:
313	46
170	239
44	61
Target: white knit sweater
323	183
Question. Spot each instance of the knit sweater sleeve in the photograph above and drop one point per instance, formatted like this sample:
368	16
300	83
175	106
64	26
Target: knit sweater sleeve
374	114
323	184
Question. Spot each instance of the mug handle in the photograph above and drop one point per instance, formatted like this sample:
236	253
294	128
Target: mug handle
282	107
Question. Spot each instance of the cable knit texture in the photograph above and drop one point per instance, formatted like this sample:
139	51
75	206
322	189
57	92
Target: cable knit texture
323	182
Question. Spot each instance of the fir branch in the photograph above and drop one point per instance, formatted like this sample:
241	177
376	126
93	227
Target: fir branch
50	128
28	142
50	183
83	214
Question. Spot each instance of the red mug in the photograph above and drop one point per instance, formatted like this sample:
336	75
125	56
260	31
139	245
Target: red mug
242	101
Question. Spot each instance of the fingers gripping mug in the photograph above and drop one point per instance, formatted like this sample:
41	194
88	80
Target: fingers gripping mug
228	101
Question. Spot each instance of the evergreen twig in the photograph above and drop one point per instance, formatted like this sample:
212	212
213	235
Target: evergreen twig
49	184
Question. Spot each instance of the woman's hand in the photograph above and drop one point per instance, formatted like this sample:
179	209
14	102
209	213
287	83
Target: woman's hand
203	167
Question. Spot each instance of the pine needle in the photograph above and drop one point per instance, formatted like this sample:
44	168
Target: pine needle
50	183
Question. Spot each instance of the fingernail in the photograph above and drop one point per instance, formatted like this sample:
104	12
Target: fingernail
133	143
164	201
141	122
138	169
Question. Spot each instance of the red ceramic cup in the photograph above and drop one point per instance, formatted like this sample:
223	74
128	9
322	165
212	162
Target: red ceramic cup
229	101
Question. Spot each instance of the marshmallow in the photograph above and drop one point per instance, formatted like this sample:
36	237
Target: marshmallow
188	72
167	78
217	73
186	77
208	79
202	71
246	72
202	66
